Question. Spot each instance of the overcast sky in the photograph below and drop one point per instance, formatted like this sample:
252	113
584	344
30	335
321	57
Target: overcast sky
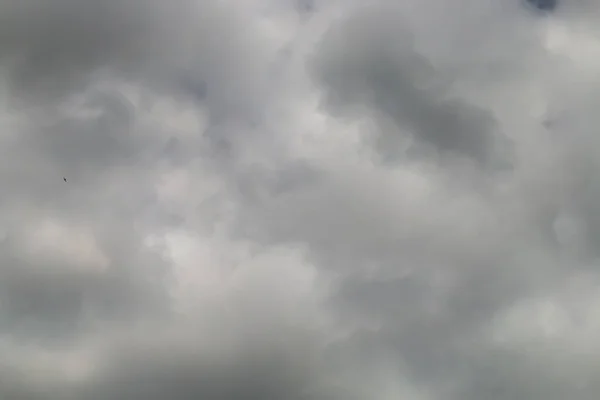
299	200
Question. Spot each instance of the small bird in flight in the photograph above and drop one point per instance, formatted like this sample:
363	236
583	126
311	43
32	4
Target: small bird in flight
65	179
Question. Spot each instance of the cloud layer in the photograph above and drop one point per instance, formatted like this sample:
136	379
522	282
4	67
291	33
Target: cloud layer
299	200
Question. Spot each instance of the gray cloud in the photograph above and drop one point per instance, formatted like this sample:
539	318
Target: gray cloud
361	65
294	200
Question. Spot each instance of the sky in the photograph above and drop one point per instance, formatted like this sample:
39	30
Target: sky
299	200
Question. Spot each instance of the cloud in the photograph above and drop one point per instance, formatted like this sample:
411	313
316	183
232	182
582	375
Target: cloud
303	200
360	65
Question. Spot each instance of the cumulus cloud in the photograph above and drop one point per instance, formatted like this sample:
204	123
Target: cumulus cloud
303	199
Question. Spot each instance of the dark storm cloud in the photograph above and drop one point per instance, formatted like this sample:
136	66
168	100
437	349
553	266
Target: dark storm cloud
360	64
224	233
58	44
52	48
543	5
265	372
